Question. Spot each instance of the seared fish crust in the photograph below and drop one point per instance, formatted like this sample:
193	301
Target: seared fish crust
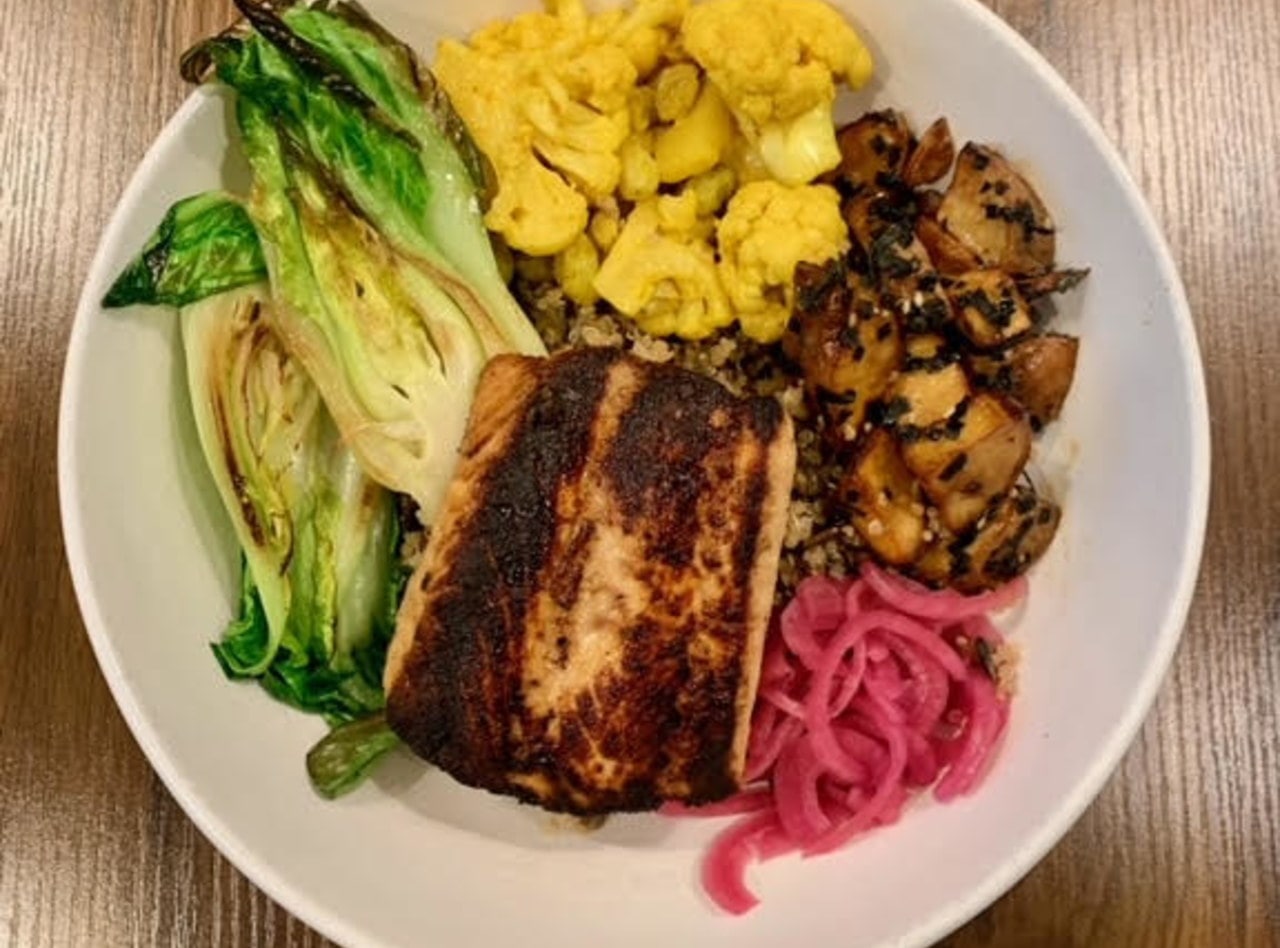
585	629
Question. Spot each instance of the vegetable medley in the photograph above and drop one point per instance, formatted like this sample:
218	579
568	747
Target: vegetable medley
666	177
663	155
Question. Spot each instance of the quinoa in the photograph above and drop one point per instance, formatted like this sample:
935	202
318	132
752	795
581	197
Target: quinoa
413	533
819	538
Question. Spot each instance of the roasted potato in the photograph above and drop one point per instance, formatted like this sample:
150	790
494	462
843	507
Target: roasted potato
884	229
874	150
927	396
971	459
927	347
936	562
997	215
1056	281
926	358
1037	373
887	508
1015	534
1004	544
949	255
932	157
897	261
882	215
846	345
988	308
1041	371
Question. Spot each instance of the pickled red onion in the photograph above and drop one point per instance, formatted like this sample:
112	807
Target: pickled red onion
870	693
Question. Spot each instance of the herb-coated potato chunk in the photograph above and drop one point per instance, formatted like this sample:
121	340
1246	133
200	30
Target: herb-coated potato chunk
997	214
888	511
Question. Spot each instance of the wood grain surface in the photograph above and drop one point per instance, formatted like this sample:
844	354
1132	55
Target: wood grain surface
1183	846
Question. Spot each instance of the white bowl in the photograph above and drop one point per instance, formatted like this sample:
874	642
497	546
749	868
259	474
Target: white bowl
413	858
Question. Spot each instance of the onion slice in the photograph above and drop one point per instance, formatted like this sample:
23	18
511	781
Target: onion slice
871	693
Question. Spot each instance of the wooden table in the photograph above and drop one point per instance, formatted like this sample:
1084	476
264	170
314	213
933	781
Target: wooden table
1183	846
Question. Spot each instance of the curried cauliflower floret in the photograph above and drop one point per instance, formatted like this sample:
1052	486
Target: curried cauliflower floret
768	229
640	178
534	210
641	107
675	90
647	30
777	64
606	224
662	271
713	188
576	267
548	97
696	141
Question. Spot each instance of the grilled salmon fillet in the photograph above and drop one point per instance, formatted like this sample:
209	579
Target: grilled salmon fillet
585	628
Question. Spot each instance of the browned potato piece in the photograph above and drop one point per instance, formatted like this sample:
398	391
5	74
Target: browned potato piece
989	309
899	261
819	286
924	398
935	563
874	149
928	201
1012	536
997	215
1056	281
950	257
845	344
988	370
948	254
887	509
890	242
926	347
1041	370
979	458
932	157
1037	373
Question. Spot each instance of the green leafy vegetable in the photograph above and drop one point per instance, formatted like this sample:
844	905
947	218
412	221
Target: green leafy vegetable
396	160
321	578
246	637
387	72
334	325
204	245
367	199
258	418
341	760
319	537
396	360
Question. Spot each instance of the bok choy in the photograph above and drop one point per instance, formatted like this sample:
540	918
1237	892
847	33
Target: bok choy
321	578
393	355
205	244
335	324
367	196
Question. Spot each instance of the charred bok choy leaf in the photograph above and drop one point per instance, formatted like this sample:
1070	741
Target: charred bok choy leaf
204	245
320	577
395	359
367	197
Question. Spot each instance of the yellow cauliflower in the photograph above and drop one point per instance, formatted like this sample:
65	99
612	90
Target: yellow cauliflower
777	64
647	31
713	189
548	98
606	224
639	178
575	269
675	90
696	141
768	229
662	271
